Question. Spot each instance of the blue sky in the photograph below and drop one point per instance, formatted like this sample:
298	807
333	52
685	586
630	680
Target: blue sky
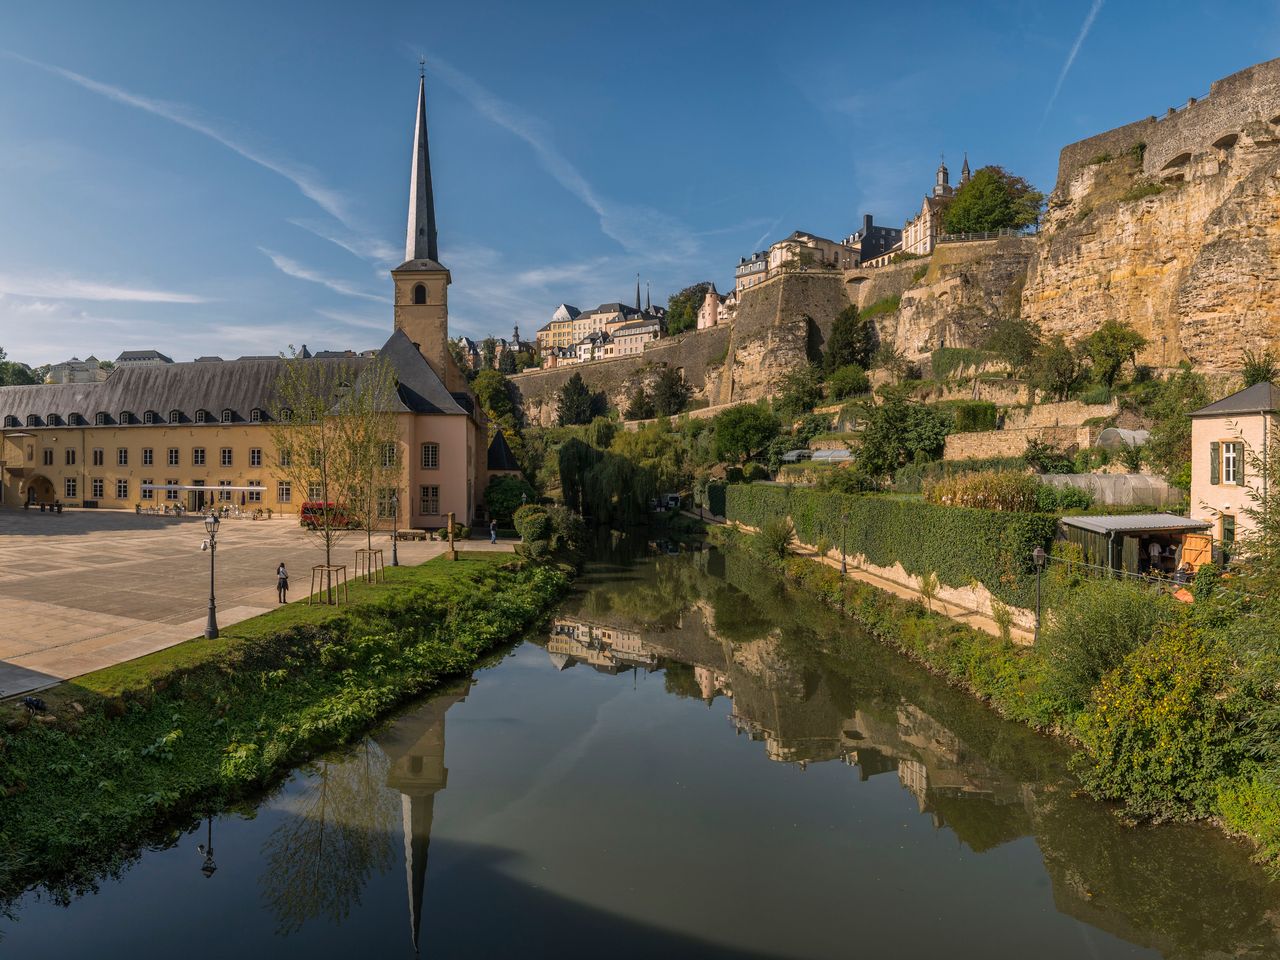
233	178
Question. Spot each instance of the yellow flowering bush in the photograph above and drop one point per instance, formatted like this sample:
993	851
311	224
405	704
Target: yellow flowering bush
1162	729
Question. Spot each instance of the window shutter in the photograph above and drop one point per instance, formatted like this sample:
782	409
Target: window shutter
1215	461
1240	463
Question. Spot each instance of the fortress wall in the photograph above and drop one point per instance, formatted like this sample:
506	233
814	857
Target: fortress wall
1246	98
697	353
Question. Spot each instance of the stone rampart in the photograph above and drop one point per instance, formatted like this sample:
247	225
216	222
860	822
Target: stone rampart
1072	413
698	354
1013	443
1234	103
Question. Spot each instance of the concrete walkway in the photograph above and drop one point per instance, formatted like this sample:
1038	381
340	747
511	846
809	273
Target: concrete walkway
88	589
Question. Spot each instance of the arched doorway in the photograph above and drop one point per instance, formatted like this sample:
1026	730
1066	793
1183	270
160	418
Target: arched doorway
40	490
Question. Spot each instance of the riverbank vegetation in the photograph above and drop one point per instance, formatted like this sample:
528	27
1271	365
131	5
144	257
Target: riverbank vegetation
1174	708
124	753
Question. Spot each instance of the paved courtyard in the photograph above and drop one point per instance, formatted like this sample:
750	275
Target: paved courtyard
89	588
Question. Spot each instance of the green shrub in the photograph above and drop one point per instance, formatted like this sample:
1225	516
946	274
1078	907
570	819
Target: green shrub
533	523
1162	728
847	480
910	479
882	306
974	416
776	537
960	544
1043	458
1096	393
1251	805
986	490
1145	188
848	381
568	531
504	495
1051	499
1092	631
755	471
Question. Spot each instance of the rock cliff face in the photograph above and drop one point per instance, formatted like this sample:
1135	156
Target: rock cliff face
965	288
1193	267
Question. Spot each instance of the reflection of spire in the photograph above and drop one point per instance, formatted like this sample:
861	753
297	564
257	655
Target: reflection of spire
415	746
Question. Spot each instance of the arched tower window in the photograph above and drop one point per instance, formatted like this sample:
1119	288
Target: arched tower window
420	293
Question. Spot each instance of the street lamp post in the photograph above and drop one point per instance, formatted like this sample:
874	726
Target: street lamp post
395	527
1038	555
211	528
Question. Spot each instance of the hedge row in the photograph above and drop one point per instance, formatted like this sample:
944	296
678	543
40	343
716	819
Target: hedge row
958	544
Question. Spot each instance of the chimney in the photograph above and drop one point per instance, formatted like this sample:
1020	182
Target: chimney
866	224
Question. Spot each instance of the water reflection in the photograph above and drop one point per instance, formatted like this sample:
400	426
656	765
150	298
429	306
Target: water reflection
810	689
628	787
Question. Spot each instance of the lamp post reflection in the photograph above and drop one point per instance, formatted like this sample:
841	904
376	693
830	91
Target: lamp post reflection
208	867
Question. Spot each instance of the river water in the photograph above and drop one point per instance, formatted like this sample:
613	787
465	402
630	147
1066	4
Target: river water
689	761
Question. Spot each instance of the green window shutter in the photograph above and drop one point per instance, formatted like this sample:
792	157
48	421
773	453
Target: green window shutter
1215	461
1240	463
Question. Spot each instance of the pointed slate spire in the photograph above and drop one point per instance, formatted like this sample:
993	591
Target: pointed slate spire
648	301
637	292
420	241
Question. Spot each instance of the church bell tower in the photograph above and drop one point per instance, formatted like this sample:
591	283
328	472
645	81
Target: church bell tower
421	282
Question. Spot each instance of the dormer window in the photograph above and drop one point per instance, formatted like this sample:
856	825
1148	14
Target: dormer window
202	416
10	421
53	420
255	415
33	420
226	416
99	419
149	417
420	293
175	416
126	417
75	420
286	414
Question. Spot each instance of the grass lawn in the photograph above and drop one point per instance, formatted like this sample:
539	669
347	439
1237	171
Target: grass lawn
144	672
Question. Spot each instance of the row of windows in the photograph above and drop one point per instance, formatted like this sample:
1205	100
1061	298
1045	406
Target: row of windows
430	456
98	486
126	418
225	456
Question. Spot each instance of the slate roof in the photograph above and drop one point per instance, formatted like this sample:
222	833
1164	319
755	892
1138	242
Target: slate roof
128	355
1260	398
500	455
419	265
638	326
420	389
237	385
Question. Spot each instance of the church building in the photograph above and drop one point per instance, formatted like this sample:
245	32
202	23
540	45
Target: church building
199	434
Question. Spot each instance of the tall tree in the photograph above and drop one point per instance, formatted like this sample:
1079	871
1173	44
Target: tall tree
507	362
370	442
15	374
993	199
311	440
670	392
1056	368
1013	340
744	431
640	405
488	352
577	404
853	340
682	308
1111	346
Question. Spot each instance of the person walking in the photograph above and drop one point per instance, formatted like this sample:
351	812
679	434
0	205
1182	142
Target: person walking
493	531
282	583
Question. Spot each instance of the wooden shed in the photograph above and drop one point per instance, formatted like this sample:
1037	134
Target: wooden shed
1136	543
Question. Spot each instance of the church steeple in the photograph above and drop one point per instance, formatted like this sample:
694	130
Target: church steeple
637	292
420	241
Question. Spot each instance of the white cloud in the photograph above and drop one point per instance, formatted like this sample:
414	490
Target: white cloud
357	244
638	229
75	288
304	178
293	268
1075	50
